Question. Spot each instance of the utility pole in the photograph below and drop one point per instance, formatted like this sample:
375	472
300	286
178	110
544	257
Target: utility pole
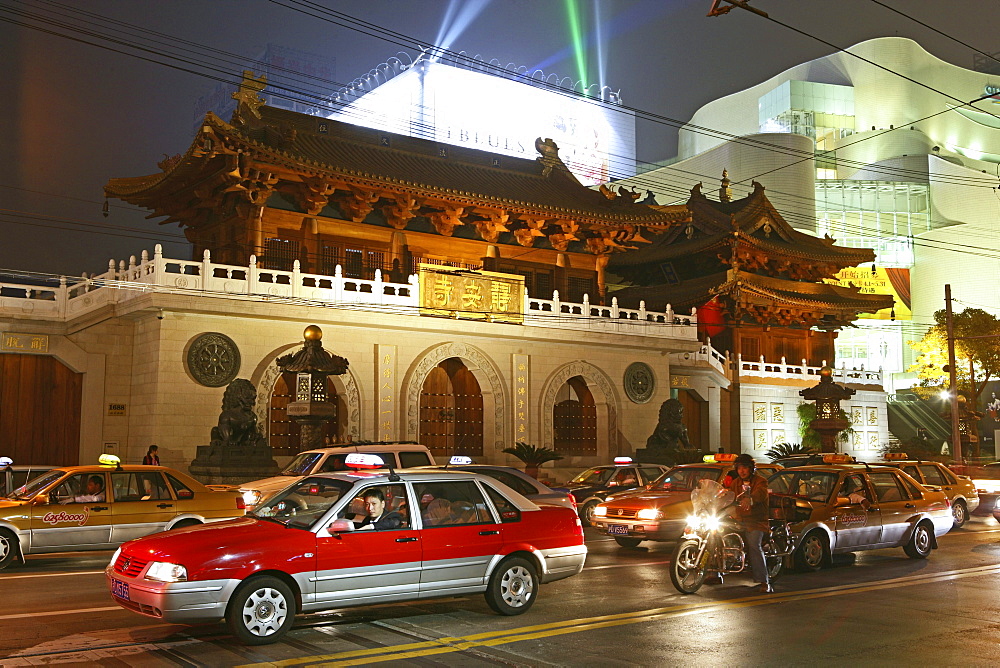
956	435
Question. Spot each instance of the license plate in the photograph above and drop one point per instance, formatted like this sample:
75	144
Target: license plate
119	589
618	529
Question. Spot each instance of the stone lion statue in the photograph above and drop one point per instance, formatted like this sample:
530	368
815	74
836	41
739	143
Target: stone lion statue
237	423
670	434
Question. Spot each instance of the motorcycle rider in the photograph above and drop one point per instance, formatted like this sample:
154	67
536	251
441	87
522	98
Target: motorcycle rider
751	510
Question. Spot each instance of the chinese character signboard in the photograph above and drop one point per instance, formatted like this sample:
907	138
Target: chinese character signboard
11	342
883	281
471	295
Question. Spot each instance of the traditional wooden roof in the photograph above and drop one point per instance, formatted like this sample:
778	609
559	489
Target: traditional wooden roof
744	252
314	161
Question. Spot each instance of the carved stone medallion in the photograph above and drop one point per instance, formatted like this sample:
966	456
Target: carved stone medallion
213	359
639	382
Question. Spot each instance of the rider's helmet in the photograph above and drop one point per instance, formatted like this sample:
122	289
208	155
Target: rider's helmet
745	460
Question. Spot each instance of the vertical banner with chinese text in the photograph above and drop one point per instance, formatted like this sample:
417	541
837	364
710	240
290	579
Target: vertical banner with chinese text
385	381
520	387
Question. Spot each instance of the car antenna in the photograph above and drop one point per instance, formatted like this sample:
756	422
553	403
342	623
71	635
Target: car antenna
393	476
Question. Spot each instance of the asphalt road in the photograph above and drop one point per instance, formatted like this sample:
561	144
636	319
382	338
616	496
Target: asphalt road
878	608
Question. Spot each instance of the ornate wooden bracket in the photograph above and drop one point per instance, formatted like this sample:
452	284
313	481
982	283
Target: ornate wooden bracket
447	220
358	203
495	222
401	210
561	232
527	229
314	195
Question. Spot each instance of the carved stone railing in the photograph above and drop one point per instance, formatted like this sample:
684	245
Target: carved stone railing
704	355
124	282
763	369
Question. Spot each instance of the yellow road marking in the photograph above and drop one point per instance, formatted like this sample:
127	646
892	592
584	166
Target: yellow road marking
492	638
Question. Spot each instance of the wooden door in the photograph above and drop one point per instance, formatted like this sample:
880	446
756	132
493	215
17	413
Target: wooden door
575	420
39	410
451	411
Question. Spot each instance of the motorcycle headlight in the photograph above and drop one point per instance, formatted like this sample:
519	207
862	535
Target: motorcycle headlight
600	511
649	514
251	497
693	521
164	572
712	523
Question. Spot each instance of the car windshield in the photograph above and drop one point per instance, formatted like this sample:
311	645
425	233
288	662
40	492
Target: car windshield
303	464
303	503
594	476
36	485
684	479
812	485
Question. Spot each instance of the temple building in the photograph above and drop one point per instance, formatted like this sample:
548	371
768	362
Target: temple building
764	291
478	299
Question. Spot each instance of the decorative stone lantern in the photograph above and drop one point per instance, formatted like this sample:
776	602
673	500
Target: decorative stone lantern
312	409
827	395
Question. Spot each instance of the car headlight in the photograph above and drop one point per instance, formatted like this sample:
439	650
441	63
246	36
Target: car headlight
114	557
649	514
600	511
164	572
251	497
998	502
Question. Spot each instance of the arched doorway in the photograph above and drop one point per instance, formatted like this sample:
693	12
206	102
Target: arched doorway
284	432
574	419
451	410
40	418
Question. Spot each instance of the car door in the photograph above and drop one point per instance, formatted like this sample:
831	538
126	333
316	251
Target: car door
460	538
858	525
69	520
894	504
141	504
369	565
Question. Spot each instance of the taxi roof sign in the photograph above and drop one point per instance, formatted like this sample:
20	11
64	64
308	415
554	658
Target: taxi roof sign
719	458
459	460
895	456
623	460
6	461
360	460
109	460
837	458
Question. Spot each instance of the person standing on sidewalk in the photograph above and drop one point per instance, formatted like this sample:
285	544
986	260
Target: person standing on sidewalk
151	458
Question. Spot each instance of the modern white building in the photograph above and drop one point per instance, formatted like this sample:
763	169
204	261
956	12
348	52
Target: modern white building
903	160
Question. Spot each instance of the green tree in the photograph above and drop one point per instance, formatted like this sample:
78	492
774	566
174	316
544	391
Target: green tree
983	352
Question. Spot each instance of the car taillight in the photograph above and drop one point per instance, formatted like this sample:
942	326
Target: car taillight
239	503
572	499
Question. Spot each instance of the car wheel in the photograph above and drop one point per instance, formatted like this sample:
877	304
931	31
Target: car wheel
920	543
8	548
811	554
512	587
960	514
625	541
587	513
186	523
261	611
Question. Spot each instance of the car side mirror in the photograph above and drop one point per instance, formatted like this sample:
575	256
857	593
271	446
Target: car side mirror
340	526
843	501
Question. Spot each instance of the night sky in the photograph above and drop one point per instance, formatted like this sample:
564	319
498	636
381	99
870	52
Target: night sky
76	115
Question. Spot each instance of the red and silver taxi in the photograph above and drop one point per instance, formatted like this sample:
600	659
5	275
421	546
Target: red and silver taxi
347	539
659	511
841	507
99	507
959	489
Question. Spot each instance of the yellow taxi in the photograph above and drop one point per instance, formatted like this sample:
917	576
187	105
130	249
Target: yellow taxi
840	507
100	507
959	489
659	511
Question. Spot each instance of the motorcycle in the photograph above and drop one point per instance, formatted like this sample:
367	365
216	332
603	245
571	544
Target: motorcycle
712	544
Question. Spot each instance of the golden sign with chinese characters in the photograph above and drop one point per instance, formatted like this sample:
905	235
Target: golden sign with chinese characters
471	295
11	342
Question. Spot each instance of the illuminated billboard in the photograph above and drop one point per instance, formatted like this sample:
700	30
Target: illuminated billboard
883	281
478	110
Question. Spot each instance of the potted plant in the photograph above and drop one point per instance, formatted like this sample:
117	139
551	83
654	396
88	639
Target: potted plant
532	456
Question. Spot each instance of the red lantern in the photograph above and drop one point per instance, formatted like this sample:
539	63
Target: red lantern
711	319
